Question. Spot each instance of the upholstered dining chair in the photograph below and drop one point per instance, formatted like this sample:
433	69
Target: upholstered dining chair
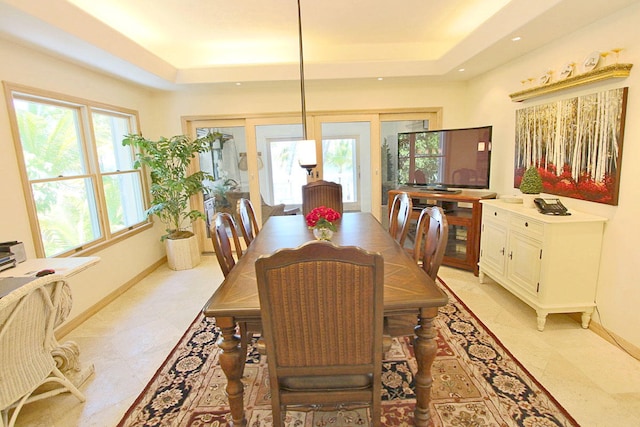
432	233
322	310
321	193
248	223
399	217
28	348
223	224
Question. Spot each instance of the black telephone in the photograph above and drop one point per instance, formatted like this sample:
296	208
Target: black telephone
550	206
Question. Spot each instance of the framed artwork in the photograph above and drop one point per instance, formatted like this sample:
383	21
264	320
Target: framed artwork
575	143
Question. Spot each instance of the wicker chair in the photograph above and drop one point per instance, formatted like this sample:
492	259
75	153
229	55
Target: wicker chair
223	224
29	353
399	216
321	193
322	309
432	233
248	224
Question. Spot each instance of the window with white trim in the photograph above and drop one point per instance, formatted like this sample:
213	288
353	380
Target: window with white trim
81	187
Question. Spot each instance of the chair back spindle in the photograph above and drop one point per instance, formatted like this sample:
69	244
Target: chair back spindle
248	223
399	217
432	234
223	225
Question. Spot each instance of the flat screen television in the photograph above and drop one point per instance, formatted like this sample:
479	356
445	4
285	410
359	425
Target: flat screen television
444	159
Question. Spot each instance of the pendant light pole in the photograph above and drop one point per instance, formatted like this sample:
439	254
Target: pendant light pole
302	94
306	148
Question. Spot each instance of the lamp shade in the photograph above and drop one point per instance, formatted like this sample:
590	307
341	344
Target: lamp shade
307	153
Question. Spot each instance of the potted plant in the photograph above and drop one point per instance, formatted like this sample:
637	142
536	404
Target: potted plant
168	160
530	186
220	191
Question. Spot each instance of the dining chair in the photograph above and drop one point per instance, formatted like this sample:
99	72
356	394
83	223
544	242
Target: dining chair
248	223
399	217
223	224
28	316
432	233
321	193
322	319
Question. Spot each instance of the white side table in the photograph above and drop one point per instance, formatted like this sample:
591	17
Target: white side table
67	354
65	266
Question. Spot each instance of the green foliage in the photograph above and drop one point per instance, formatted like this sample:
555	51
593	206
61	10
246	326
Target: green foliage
427	155
168	160
531	181
338	153
220	189
50	146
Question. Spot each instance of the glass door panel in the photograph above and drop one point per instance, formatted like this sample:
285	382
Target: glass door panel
282	178
346	158
224	163
290	177
340	164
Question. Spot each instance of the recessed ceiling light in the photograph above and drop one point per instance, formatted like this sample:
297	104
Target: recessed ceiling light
516	39
380	78
461	69
238	84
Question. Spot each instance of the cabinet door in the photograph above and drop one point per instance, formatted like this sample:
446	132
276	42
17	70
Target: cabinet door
494	241
525	257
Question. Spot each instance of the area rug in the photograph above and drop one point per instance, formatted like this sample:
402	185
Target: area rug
476	382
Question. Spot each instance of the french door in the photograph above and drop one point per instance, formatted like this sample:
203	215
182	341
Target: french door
257	157
344	153
224	162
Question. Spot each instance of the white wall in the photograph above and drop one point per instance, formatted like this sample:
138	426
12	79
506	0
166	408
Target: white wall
120	262
618	294
284	97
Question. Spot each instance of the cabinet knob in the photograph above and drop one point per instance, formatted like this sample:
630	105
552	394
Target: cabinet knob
495	214
526	224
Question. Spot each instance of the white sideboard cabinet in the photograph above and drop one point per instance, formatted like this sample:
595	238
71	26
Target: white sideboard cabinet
549	262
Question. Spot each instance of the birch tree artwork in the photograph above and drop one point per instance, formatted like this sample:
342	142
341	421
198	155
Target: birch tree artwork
576	144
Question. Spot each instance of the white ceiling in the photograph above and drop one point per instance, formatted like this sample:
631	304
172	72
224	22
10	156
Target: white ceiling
164	43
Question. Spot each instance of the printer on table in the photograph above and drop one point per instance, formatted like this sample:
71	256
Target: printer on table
11	253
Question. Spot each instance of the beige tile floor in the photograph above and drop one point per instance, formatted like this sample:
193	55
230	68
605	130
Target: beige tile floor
129	339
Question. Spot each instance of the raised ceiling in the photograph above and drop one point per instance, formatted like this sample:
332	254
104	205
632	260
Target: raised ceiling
164	43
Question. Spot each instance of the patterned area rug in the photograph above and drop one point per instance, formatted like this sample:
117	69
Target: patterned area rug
477	382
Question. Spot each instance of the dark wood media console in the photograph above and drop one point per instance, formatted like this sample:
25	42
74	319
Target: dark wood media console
464	215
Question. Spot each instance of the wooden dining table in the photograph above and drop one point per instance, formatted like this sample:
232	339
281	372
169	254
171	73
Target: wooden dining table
407	290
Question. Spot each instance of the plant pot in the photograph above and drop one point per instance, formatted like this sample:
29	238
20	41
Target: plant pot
182	254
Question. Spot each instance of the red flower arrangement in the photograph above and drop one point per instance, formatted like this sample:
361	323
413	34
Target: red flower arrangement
322	217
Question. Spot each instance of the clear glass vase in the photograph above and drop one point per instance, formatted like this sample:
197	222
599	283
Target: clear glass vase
322	233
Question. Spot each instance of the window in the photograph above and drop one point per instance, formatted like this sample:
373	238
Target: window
420	157
81	186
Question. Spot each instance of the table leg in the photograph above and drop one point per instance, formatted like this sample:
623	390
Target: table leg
425	348
232	363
